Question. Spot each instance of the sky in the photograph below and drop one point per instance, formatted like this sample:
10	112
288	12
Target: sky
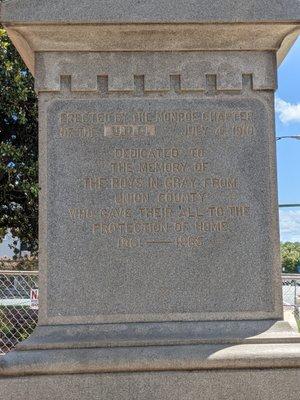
5	250
288	150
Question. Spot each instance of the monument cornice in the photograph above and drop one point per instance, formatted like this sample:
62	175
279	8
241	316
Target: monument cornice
30	38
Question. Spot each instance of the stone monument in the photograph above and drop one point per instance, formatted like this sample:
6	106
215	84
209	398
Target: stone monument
159	246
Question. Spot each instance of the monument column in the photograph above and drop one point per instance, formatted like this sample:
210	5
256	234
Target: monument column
159	246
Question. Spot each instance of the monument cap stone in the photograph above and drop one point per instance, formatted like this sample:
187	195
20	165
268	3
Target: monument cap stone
152	11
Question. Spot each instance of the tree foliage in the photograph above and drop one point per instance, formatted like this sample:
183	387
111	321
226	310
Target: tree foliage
290	254
18	148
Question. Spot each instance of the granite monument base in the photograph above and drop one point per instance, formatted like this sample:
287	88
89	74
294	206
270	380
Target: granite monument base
254	384
155	361
245	379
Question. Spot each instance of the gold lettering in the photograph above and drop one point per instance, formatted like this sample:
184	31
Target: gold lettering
221	183
122	167
131	198
189	241
97	182
211	226
181	198
156	212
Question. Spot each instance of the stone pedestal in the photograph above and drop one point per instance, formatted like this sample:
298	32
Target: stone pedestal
159	247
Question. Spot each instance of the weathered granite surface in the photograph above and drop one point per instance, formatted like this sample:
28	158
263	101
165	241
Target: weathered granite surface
150	178
159	247
281	384
147	222
131	11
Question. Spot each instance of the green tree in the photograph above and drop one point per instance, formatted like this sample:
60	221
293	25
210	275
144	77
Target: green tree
290	254
18	148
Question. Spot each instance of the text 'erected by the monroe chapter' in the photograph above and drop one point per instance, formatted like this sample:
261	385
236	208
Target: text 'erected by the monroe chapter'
159	179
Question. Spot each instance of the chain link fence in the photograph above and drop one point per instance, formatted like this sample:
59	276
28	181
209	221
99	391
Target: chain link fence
291	295
17	318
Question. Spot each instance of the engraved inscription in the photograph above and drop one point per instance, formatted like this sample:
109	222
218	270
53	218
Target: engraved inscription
139	124
160	190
